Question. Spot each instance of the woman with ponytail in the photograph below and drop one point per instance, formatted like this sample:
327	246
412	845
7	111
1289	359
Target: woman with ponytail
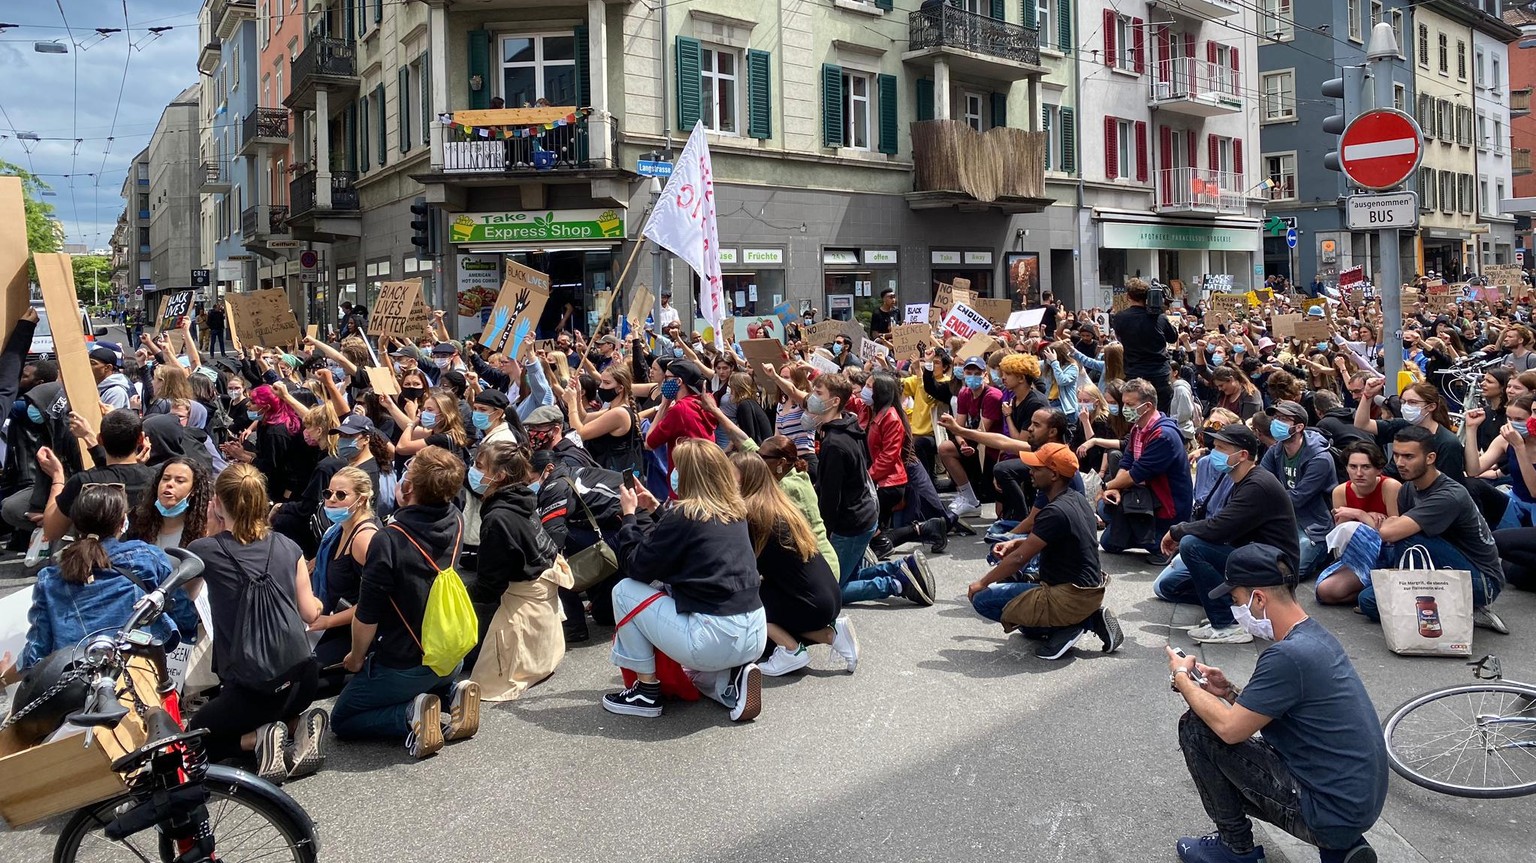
97	580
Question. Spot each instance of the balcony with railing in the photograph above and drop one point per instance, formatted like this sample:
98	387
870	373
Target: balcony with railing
215	177
973	44
263	221
955	166
1207	9
1520	161
304	197
532	148
263	127
324	64
1201	191
1197	88
1519	101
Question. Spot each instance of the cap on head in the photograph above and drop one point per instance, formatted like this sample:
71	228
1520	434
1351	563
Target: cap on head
102	355
444	349
1236	434
544	415
1255	565
1053	456
975	363
493	399
1288	409
354	424
689	373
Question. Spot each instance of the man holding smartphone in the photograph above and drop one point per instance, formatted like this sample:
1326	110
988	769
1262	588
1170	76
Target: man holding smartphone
1319	769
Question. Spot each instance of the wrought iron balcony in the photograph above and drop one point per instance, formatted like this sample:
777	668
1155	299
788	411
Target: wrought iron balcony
304	199
973	43
954	165
215	177
325	63
263	220
532	149
264	127
1202	191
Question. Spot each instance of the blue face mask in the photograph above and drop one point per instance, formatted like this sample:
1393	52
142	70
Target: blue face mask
253	416
815	404
535	485
337	372
1322	346
677	353
1217	360
427	419
973	381
337	514
477	479
35	415
173	511
997	376
837	349
481	421
674	480
670	388
1219	462
1237	349
1280	430
346	448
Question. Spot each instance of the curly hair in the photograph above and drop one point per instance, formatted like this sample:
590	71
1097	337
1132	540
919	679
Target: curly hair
145	520
1021	365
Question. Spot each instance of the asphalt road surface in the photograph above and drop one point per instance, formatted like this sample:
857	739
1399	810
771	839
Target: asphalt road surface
951	743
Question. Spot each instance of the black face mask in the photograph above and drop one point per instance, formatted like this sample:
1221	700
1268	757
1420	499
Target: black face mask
607	394
412	394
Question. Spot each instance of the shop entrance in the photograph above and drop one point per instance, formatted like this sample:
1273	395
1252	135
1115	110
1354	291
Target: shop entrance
574	276
1444	259
981	280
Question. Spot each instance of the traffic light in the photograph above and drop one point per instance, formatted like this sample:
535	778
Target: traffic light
421	228
1351	89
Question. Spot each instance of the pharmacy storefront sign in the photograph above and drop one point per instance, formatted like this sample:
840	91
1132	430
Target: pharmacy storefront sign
537	226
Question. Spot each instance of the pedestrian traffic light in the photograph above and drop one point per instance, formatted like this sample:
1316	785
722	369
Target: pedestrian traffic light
1351	89
421	227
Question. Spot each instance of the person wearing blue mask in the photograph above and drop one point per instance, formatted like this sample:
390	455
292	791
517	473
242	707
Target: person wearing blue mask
1257	510
348	501
978	406
680	415
354	445
488	415
1302	462
177	511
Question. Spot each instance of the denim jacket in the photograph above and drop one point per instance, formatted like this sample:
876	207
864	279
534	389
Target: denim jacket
62	613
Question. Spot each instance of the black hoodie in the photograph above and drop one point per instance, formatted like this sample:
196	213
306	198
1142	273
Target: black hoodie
513	545
844	490
398	576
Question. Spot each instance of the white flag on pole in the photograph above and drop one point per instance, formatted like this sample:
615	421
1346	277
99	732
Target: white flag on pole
683	223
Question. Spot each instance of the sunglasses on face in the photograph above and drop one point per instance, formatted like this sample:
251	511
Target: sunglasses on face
335	495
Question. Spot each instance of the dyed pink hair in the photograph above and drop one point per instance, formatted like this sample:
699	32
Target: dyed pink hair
275	410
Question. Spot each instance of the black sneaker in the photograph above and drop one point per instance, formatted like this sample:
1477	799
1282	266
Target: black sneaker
576	634
749	693
1059	642
918	585
881	544
936	531
1103	624
634	701
1158	559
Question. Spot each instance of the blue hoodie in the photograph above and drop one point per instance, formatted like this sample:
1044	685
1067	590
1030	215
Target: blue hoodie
1311	486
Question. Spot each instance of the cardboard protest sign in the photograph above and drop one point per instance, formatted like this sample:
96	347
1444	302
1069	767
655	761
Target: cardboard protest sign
56	276
524	292
1232	304
908	340
1356	296
262	318
640	306
824	332
823	363
916	313
393	308
1312	330
176	307
976	346
1218	282
1024	319
996	311
311	331
944	297
966	322
1502	274
1280	326
14	296
872	349
1119	302
759	351
382	381
1351	276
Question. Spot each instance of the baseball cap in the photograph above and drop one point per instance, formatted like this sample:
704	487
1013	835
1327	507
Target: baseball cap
492	399
545	415
291	361
102	355
1236	434
1255	565
354	424
1054	456
1289	410
688	373
978	362
402	352
443	349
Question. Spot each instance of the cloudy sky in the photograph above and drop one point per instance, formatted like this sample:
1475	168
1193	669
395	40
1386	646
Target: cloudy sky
64	97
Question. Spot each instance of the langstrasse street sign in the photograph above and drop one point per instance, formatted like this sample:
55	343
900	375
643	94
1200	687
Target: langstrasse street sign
1380	149
1386	210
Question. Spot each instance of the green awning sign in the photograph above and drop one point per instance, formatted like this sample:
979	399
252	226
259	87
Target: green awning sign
547	225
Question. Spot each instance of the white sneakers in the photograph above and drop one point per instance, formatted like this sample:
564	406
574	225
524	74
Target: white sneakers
965	503
1208	634
783	661
845	642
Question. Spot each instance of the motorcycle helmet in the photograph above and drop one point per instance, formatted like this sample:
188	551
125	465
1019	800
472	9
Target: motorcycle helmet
47	717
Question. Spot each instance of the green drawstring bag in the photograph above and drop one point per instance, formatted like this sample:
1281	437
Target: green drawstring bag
449	627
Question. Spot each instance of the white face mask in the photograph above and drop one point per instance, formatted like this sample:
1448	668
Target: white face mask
1255	627
1413	413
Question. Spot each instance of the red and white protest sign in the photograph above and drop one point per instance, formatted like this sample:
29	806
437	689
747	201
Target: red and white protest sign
1351	276
966	322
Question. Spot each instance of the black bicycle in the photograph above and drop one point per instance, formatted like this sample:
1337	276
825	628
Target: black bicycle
177	808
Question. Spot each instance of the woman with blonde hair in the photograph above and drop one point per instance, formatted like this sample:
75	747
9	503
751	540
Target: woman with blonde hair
267	684
349	501
710	619
611	435
800	594
171	383
437	424
515	587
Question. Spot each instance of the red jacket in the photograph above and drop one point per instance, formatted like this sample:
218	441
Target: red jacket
885	438
685	419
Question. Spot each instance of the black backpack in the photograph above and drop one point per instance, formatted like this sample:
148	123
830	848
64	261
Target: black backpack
268	641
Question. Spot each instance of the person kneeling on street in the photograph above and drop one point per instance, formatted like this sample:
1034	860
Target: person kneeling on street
1067	594
1319	770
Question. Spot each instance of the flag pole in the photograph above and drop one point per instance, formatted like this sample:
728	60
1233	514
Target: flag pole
634	255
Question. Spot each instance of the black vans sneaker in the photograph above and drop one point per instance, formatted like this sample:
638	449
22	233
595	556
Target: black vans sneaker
642	699
1107	628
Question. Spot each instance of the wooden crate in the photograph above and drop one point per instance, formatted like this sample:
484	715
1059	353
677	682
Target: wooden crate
42	781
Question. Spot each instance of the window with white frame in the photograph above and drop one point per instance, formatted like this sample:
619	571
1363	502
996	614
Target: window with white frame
1280	169
538	66
1396	18
1226	82
1125	148
1446	120
1400	97
1279	95
856	101
1495	207
1482	131
1278	22
1498	135
1479	76
1482	197
1375	13
1447	192
972	105
423	98
1125	37
1496	78
1424	45
1049	115
263	30
1225	163
1353	10
718	78
1042	23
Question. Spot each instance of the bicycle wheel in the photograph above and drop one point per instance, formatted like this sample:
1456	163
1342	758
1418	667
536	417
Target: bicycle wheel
1477	740
251	820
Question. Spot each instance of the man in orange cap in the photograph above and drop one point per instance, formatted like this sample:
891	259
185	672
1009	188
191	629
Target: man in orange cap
1065	597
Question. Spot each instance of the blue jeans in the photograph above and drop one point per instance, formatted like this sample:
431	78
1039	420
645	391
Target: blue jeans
1207	562
375	701
710	645
875	582
991	601
1314	556
1446	556
1174	583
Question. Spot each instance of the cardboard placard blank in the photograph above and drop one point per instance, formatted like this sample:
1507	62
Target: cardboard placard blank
56	276
977	346
1280	326
382	381
640	306
14	296
759	351
996	311
1024	319
1313	330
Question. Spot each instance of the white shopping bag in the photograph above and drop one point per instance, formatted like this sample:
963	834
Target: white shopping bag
1424	611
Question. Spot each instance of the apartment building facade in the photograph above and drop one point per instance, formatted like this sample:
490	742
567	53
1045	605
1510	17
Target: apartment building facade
130	240
175	177
227	93
1522	74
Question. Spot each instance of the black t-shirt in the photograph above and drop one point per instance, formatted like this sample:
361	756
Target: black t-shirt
1450	455
226	565
1070	531
1022	410
880	322
1447	511
1146	336
134	477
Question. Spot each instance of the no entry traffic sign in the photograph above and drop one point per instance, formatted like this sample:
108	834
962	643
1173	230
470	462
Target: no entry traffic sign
1380	149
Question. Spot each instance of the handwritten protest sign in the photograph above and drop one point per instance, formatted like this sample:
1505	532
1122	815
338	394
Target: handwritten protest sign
916	313
262	318
1502	274
823	363
966	322
1232	304
391	314
1024	319
1353	275
825	332
1312	330
871	350
996	311
908	340
524	293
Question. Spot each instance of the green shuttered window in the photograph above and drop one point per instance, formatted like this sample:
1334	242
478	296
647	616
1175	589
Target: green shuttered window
925	98
888	105
480	64
383	120
403	101
759	94
831	105
1068	140
583	39
1064	25
689	107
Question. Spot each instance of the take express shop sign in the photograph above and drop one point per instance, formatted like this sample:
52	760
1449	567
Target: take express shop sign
537	225
1125	235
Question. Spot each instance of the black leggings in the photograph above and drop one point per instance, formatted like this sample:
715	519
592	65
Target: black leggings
237	711
1012	478
1517	549
889	497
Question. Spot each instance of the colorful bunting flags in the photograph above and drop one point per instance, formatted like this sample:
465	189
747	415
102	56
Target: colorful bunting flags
536	130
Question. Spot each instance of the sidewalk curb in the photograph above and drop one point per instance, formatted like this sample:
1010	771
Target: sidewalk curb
1282	847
